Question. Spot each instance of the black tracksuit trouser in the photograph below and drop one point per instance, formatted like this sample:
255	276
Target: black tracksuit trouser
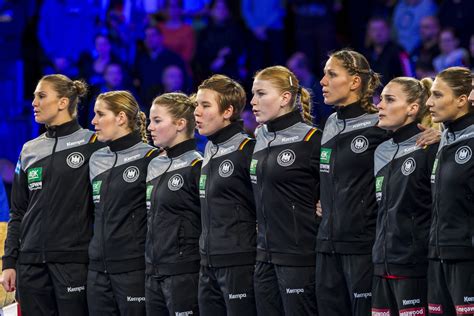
402	296
52	289
451	287
284	290
116	294
226	291
173	295
344	284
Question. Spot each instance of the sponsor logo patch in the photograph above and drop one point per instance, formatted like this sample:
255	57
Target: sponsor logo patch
237	296
138	299
294	291
363	295
467	309
186	313
325	155
96	190
131	174
202	186
175	182
149	190
413	311
35	178
253	166
411	302
226	168
286	158
378	187
359	144
253	171
380	312
463	155
76	143
408	166
435	309
77	289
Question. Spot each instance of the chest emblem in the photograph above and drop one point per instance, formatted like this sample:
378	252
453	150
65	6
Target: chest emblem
131	174
175	182
226	168
408	166
463	155
75	160
359	144
286	158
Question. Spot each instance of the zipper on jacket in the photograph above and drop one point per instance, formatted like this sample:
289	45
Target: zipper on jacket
50	170
333	193
239	223
104	210
208	209
436	207
295	228
385	197
265	222
154	210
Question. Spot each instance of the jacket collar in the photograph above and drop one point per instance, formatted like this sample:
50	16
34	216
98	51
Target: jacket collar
181	148
125	142
226	133
63	129
284	121
405	132
460	123
350	111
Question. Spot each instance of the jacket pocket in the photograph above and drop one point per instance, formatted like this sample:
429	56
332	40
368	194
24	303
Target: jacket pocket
180	237
295	223
238	222
134	230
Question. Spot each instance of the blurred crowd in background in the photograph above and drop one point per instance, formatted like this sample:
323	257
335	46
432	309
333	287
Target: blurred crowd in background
151	47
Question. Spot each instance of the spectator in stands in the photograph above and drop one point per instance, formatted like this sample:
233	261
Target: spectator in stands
265	20
178	36
314	28
174	80
428	49
150	64
458	14
385	56
406	21
62	65
92	64
220	44
451	54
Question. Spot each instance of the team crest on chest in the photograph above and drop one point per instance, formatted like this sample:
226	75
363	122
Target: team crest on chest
359	144
75	160
131	174
463	155
286	158
226	168
408	166
175	182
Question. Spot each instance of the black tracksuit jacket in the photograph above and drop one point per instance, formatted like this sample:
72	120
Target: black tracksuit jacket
118	177
51	211
403	193
452	180
174	211
285	178
227	205
350	138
